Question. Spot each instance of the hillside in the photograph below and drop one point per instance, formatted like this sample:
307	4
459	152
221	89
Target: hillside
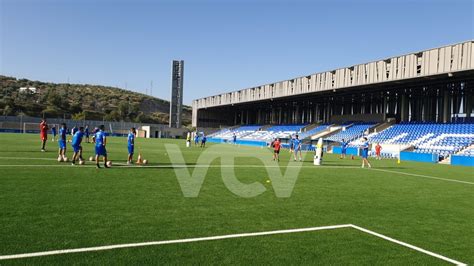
92	102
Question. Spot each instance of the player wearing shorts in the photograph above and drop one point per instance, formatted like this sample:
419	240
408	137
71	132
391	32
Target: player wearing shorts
87	134
378	150
43	134
196	139
53	132
297	148
100	143
343	149
365	152
203	141
73	131
276	149
131	144
76	145
62	141
292	140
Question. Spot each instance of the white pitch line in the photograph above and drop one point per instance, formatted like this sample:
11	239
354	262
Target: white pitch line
92	165
165	242
425	176
408	245
26	158
198	239
120	165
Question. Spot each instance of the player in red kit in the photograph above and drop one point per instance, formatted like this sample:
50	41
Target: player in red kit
276	149
43	134
378	149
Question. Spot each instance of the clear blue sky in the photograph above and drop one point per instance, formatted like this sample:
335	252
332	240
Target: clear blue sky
226	45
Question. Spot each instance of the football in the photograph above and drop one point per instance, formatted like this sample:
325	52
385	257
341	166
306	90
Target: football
145	161
81	162
91	158
60	159
109	163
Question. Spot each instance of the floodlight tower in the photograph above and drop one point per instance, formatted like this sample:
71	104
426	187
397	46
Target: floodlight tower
176	102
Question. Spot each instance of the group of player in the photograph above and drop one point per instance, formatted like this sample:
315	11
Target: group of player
364	151
295	148
54	133
99	137
199	141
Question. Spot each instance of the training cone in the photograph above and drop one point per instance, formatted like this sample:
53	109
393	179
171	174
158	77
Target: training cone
398	161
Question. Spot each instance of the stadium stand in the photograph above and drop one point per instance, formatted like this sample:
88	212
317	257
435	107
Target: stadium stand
313	131
352	131
442	139
240	132
279	131
467	152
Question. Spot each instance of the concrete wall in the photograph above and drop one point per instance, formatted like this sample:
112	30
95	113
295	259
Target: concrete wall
358	117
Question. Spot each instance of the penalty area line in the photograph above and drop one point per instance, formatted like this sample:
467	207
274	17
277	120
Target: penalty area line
424	176
441	257
165	242
241	235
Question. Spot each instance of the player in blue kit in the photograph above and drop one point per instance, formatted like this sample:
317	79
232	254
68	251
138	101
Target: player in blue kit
54	132
62	141
76	145
343	149
87	134
131	144
100	142
291	142
203	141
297	147
196	139
365	152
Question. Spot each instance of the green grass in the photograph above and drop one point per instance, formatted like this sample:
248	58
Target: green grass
59	206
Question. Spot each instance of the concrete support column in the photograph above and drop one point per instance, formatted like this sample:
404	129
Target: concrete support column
446	107
328	117
297	115
404	108
279	115
303	115
316	114
468	102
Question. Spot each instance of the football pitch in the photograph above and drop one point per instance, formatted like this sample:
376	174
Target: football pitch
337	213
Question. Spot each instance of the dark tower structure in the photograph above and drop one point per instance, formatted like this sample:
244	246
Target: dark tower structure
176	103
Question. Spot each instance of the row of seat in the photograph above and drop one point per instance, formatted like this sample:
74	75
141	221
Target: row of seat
442	139
313	131
273	132
351	132
467	152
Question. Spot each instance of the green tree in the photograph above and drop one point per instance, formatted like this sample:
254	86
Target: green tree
53	98
79	116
